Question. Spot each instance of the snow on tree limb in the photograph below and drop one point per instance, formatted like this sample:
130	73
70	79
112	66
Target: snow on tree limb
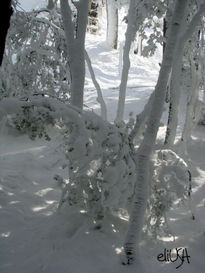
59	110
97	86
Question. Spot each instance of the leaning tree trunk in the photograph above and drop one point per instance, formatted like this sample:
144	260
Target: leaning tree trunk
97	86
174	90
166	23
131	244
75	40
129	36
141	119
175	82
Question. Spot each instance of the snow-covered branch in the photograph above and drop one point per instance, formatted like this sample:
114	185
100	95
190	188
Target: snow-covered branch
97	86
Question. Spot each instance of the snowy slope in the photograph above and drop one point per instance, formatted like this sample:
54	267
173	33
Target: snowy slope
35	238
106	62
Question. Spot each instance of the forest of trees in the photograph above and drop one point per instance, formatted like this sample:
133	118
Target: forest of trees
112	165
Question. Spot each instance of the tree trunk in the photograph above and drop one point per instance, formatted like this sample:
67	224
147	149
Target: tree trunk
50	4
97	86
175	92
139	44
6	12
75	40
165	23
129	36
112	23
131	244
141	119
192	109
175	79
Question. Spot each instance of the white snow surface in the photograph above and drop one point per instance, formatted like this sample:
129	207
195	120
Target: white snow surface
36	238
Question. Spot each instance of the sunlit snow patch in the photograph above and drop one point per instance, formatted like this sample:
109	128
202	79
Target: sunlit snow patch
5	234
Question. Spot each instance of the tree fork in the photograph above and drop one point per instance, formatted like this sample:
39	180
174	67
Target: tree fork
131	244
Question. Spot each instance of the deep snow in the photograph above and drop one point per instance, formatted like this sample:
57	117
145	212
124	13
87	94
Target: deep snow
36	238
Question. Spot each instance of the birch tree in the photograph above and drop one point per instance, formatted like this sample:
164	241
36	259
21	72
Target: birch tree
194	78
175	84
131	244
130	33
112	23
75	40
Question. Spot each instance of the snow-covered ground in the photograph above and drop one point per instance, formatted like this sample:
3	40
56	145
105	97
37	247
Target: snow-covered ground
36	238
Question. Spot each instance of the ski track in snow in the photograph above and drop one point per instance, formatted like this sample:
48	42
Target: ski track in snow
34	238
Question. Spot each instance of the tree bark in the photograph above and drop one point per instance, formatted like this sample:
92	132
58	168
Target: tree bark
175	92
112	23
131	244
50	5
97	86
129	36
175	79
141	119
192	108
75	40
5	15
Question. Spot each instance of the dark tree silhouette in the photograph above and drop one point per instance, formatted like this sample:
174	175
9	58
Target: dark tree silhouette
5	15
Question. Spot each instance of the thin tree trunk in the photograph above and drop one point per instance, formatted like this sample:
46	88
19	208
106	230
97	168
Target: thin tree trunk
139	44
131	244
97	86
112	23
130	32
